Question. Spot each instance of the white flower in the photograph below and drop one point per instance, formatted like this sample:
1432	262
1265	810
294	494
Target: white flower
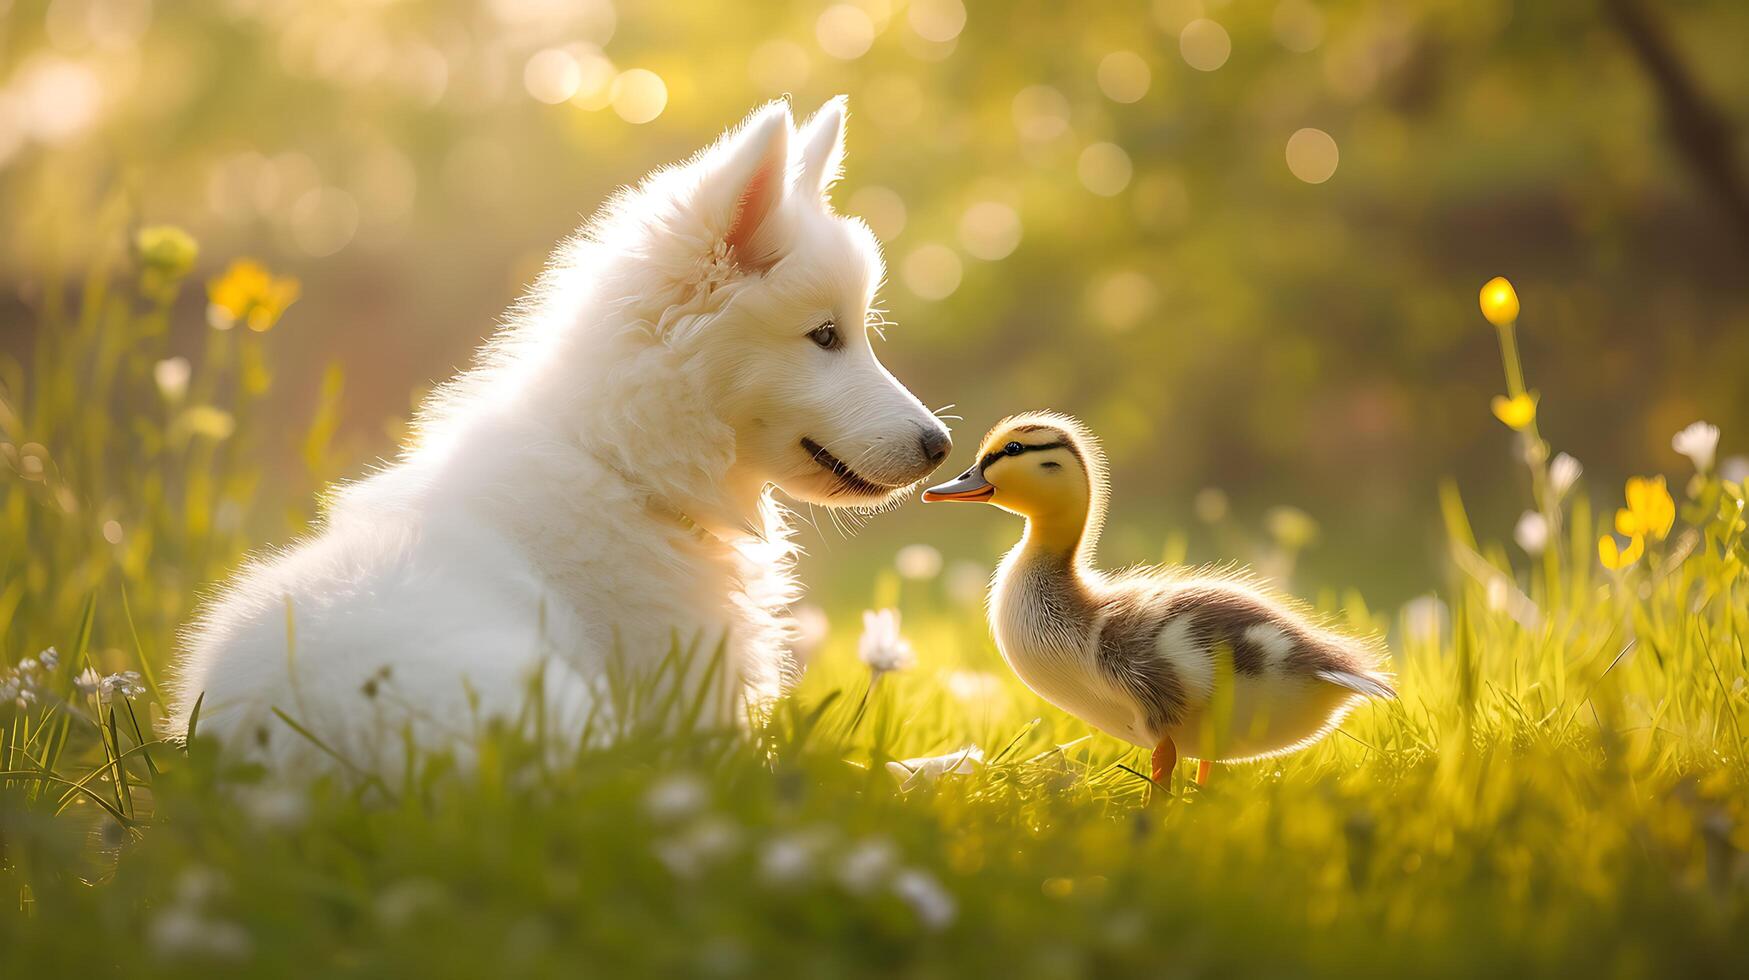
19	684
171	374
1532	532
197	885
706	842
790	859
87	682
676	797
50	658
915	772
881	646
123	685
866	865
973	685
933	904
181	932
918	561
1564	471
403	901
1699	442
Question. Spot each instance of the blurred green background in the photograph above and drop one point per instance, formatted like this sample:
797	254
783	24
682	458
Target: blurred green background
1241	239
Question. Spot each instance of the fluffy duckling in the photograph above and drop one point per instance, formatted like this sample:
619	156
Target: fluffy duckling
1145	654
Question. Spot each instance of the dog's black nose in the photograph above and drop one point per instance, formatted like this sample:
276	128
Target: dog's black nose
936	443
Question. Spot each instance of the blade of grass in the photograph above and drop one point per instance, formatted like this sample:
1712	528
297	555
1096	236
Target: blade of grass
139	648
354	768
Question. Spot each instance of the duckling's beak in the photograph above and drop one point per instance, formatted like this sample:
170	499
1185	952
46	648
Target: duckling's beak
970	486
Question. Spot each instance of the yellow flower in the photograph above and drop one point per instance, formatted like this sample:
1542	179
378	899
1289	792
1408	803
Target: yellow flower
1499	302
166	254
248	292
1650	511
166	250
1614	558
1517	413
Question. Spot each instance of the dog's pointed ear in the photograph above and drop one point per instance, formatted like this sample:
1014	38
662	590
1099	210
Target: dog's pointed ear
823	148
744	187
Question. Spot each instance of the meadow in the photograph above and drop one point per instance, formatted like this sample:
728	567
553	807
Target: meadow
1243	241
1561	788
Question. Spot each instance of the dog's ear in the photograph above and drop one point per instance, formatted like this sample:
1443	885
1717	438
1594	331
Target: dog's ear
745	184
823	148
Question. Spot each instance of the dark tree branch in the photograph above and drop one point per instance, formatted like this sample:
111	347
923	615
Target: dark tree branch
1701	132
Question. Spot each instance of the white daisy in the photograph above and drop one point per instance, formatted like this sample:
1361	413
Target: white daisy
125	685
1564	471
1532	532
881	646
1700	443
934	905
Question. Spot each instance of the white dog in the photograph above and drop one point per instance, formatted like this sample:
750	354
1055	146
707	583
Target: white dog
598	486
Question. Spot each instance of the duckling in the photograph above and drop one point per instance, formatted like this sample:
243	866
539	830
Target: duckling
1202	661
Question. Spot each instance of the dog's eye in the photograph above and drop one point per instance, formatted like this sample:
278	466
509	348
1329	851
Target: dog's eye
1013	448
825	335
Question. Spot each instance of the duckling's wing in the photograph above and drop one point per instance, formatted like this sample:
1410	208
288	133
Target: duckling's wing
1265	634
1368	684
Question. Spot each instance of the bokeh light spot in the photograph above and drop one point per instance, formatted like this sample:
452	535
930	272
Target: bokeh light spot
918	562
597	77
1104	169
1204	44
1312	155
1121	299
59	98
990	230
844	31
932	271
937	20
882	208
639	95
552	76
323	220
1040	113
1124	76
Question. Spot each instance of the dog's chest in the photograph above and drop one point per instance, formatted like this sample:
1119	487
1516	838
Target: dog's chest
641	598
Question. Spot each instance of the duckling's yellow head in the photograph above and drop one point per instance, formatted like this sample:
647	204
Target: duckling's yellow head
1039	465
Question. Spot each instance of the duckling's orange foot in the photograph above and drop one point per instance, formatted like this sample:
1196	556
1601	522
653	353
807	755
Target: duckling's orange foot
1165	759
1203	768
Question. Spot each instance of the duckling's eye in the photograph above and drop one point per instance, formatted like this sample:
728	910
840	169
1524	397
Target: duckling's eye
825	335
1013	449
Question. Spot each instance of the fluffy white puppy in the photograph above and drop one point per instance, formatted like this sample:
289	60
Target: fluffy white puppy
597	489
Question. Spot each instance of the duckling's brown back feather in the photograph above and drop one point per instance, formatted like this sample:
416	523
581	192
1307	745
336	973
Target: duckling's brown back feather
1158	638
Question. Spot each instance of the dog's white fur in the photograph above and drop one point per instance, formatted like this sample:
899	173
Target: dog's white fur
598	486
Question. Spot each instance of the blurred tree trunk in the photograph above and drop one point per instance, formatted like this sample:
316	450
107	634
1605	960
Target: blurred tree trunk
1702	133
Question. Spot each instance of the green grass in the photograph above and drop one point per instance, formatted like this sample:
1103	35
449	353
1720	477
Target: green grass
1562	786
